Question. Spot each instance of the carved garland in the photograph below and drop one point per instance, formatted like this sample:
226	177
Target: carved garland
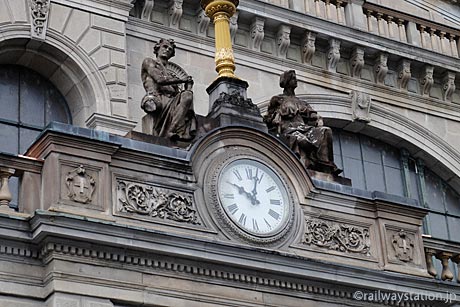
156	203
337	236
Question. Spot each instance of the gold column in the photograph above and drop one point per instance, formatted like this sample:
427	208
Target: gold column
220	12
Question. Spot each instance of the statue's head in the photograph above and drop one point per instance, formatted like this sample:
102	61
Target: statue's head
165	42
288	79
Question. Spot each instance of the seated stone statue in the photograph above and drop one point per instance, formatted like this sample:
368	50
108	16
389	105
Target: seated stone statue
300	127
169	108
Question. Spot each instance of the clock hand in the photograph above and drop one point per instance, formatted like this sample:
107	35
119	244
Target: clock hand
241	190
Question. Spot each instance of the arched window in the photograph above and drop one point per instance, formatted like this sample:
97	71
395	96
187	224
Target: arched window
375	166
28	102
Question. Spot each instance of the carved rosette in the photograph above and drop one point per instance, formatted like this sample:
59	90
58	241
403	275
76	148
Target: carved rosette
283	40
175	12
404	74
80	185
308	47
403	244
357	62
381	68
333	55
361	106
257	33
448	86
337	236
427	81
155	202
39	10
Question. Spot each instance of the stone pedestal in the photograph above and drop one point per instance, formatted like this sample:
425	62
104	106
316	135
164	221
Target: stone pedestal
229	104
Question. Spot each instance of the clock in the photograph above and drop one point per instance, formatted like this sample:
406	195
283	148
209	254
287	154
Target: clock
254	198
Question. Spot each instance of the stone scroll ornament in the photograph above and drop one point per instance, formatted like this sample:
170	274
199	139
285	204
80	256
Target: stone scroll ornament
155	202
337	236
80	185
39	11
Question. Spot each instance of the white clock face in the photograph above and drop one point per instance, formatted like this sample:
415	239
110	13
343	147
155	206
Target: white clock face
253	196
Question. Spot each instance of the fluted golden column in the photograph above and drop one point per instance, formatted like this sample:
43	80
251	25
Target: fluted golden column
220	12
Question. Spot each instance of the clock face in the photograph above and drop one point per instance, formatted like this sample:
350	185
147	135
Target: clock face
254	197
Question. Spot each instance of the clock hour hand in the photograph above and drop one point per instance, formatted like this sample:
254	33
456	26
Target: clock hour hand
241	190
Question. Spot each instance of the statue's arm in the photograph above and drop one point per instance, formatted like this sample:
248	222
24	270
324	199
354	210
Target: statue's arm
149	68
273	117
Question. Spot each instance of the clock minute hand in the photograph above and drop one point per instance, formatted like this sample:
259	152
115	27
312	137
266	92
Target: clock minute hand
241	190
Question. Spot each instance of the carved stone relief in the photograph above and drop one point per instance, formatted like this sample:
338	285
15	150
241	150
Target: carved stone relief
427	81
360	106
448	86
234	24
147	9
308	46
39	11
336	236
333	55
404	74
80	185
357	62
283	40
203	22
175	12
381	68
154	202
257	33
403	244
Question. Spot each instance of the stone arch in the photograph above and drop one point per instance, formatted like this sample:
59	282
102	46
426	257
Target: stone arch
392	128
70	70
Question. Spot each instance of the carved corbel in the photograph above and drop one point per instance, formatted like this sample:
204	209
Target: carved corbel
175	12
381	67
234	24
357	62
147	9
257	33
203	22
39	10
282	40
308	46
427	81
448	86
404	74
429	253
446	272
361	106
333	55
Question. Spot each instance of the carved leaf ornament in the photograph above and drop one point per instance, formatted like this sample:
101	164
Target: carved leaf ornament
157	203
338	237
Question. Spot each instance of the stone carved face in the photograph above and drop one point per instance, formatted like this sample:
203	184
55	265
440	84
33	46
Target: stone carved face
165	48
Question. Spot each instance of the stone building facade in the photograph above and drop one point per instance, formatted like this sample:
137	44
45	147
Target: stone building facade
91	217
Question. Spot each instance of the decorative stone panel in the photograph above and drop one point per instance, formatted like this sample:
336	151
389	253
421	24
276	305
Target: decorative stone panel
146	201
39	12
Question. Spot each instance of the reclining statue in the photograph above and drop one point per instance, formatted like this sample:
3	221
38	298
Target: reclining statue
299	126
169	108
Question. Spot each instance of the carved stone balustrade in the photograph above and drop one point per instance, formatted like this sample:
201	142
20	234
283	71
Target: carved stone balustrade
442	259
28	171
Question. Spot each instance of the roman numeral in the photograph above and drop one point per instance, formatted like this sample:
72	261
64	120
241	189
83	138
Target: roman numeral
237	174
233	208
268	224
242	219
229	196
260	179
274	214
275	202
248	173
270	189
254	225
